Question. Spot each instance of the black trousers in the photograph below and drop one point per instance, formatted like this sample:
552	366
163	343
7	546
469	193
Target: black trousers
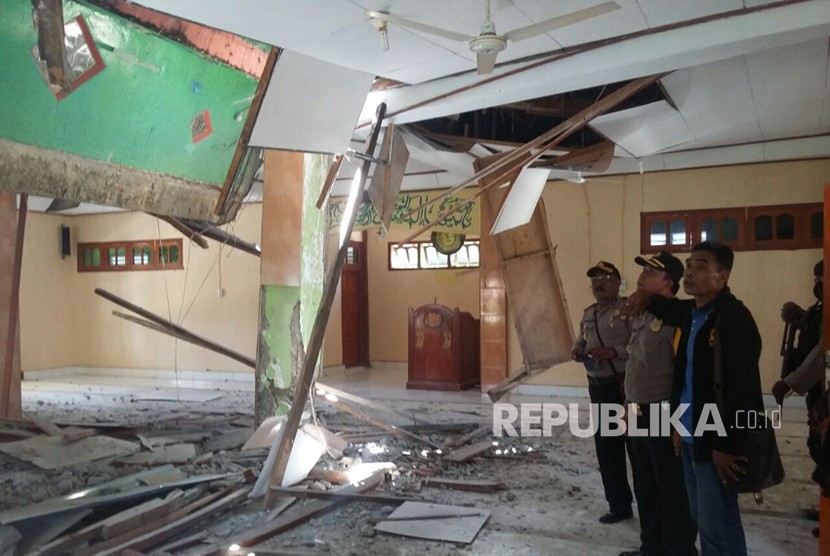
611	449
666	526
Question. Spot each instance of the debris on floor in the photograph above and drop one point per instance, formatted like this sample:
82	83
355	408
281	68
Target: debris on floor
374	480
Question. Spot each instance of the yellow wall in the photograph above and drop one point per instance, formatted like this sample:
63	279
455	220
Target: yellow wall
63	323
47	295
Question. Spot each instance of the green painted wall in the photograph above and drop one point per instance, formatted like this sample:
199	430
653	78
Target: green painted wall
313	267
128	114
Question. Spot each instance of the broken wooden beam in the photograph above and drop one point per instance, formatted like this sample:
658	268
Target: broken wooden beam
318	330
336	495
174	328
458	484
184	229
190	338
367	403
48	427
157	531
468	452
218	234
308	511
514	379
334	169
392	429
521	156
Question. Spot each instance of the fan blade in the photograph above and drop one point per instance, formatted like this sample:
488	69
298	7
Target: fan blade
558	22
409	24
486	61
61	204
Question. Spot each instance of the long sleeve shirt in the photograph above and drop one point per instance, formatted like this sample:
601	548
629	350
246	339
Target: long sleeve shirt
741	350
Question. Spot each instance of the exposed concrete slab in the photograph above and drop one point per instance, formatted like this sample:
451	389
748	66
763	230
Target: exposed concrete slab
60	175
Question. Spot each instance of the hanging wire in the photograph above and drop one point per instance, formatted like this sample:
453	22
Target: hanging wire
169	311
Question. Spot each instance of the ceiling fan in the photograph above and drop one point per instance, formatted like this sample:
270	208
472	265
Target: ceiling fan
487	44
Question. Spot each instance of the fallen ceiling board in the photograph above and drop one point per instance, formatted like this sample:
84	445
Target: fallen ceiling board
388	177
521	200
48	452
310	106
645	130
450	528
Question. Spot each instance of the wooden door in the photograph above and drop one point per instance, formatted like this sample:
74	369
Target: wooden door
354	299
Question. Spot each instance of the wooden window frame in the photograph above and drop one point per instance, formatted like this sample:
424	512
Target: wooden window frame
128	246
418	245
802	214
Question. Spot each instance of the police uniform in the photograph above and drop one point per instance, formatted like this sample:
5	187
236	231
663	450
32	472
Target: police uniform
666	526
599	328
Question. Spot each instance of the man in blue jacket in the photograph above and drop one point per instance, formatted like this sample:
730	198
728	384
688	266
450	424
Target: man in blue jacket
709	461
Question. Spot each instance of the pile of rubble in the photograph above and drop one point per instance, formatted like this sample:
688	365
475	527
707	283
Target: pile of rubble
194	482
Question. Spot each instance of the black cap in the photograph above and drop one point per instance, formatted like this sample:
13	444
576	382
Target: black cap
666	262
604	267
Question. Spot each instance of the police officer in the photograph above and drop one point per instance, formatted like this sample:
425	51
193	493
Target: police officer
666	526
601	347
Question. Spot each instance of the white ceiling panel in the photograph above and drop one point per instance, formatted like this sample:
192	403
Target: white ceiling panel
644	130
406	49
287	120
747	132
796	74
664	12
725	85
628	19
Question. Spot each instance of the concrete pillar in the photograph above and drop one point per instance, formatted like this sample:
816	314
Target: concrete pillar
293	264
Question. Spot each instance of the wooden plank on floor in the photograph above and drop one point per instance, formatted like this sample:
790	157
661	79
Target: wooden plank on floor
306	512
458	484
469	452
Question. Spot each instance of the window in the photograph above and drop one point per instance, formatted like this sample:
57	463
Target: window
424	255
130	255
742	228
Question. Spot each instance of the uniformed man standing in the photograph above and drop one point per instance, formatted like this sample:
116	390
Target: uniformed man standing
666	526
601	346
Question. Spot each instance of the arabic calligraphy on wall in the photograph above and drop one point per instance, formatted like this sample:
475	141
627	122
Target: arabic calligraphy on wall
465	219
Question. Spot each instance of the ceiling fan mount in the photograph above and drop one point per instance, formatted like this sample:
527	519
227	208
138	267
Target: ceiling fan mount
487	44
